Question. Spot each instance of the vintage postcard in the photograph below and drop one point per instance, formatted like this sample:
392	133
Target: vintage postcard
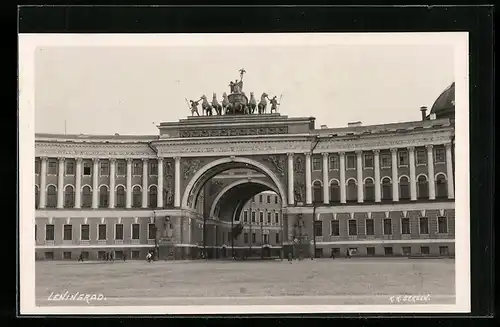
241	173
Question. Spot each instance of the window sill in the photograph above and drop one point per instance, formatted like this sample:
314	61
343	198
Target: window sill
334	169
402	166
385	167
369	168
69	175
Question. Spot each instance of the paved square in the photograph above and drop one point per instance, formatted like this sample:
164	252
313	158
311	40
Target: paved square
322	281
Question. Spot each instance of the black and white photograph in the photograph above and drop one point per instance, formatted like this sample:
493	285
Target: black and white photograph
244	173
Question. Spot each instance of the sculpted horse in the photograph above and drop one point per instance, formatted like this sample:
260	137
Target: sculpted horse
226	105
206	106
263	103
252	104
216	105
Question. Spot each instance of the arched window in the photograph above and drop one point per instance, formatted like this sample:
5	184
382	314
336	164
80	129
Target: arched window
423	187
37	197
86	197
153	197
317	192
404	188
334	191
386	189
136	197
441	187
69	197
352	192
51	196
103	197
369	190
120	197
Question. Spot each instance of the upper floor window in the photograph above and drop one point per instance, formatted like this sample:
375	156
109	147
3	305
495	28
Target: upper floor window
276	217
87	168
245	216
253	216
37	166
153	167
52	167
260	198
385	160
421	157
368	160
439	155
104	168
121	168
261	217
268	217
334	162
275	199
316	163
403	158
351	161
137	168
70	167
268	199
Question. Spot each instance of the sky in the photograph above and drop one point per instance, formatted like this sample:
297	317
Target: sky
129	90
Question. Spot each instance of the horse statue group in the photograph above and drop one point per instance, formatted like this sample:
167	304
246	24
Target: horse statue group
234	104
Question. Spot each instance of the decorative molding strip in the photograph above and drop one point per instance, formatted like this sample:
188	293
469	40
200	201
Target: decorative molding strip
79	213
373	208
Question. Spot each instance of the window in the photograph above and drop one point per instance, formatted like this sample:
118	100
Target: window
335	226
260	198
51	196
276	217
153	167
52	167
253	216
37	197
121	168
424	250
49	232
403	158
119	255
136	255
103	197
102	232
352	192
368	160
334	191
49	255
135	231
316	162
36	231
277	238
70	167
86	197
441	187
104	168
388	250
442	225
153	197
406	250
265	238
404	188
405	226
136	197
317	192
137	168
268	199
85	233
67	255
245	238
261	217
318	228
87	168
151	231
424	225
69	197
443	250
254	238
334	162
245	216
421	157
269	217
386	189
85	255
387	226
385	160
370	227
119	232
352	227
37	166
439	155
120	197
68	233
275	199
253	199
423	187
370	250
369	190
351	161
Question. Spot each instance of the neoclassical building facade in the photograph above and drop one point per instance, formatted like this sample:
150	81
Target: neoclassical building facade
383	190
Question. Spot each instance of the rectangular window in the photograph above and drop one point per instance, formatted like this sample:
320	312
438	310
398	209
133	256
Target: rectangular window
388	250
268	217
368	160
102	232
49	255
136	255
387	226
253	238
104	168
52	167
85	233
36	231
253	199
277	239
87	168
370	230
351	161
442	225
68	233
276	217
424	225
151	231
406	250
318	228
385	160
261	217
370	250
137	168
119	232
424	250
439	155
135	231
153	167
316	163
37	166
253	216
70	167
405	226
421	157
49	232
245	216
334	162
245	238
352	229
335	228
266	238
268	199
101	255
403	158
275	199
260	198
67	255
443	250
121	168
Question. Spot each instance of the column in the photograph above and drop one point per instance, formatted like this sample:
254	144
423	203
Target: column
449	171
160	183
78	183
43	183
291	195
430	166
413	178
95	183
395	180
376	174
177	179
326	184
60	184
145	183
112	182
342	177
359	177
128	203
308	179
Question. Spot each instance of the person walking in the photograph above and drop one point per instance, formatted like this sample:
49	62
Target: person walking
80	257
290	257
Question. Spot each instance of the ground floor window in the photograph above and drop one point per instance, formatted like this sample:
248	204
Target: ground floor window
136	254
424	250
443	250
101	255
85	255
406	250
388	250
336	252
49	255
67	255
119	255
370	250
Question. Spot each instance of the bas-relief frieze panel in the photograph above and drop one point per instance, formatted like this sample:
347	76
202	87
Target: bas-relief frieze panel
92	150
299	179
238	131
169	186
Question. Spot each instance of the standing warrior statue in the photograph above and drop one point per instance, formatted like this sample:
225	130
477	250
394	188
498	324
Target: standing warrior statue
274	104
194	107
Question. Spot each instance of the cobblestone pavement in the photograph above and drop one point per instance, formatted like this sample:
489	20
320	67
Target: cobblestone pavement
320	282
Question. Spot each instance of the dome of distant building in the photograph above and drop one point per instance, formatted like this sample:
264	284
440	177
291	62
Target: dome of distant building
444	106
